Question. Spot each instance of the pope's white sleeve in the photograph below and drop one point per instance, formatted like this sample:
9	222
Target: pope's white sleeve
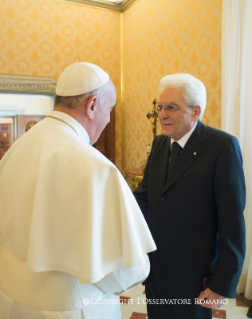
123	279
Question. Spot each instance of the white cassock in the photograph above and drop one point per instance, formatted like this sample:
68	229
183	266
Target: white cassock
72	236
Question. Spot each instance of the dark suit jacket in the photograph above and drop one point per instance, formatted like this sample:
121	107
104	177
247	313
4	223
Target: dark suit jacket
196	218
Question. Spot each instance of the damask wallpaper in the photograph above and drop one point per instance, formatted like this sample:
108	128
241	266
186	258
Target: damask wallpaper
42	37
163	37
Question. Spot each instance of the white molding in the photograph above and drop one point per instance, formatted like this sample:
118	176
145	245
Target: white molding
120	7
24	84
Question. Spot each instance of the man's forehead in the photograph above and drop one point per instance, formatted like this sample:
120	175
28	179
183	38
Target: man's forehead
171	94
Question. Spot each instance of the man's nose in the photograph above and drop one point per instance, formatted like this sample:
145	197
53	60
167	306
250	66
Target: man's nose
162	114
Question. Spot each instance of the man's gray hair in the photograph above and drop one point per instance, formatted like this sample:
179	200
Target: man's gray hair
193	90
74	102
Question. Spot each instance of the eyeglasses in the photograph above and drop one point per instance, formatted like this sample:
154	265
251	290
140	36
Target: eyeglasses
168	108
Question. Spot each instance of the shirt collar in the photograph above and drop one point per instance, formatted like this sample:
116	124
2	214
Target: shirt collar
80	130
182	142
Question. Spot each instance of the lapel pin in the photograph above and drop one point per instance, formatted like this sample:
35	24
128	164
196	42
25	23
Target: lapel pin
194	153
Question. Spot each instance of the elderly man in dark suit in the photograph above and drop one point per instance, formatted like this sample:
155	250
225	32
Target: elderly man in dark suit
193	197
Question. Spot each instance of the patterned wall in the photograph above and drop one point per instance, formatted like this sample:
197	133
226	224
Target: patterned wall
42	37
163	37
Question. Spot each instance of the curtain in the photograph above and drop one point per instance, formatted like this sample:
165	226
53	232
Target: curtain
236	108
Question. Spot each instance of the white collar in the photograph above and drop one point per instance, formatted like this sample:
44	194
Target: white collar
69	120
182	142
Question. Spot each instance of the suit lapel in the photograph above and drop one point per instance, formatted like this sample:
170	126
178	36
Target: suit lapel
192	150
163	158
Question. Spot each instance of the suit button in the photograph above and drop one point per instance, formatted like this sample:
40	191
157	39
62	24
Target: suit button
161	199
157	220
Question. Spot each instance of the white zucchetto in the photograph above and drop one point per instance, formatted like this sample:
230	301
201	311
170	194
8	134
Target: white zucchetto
80	78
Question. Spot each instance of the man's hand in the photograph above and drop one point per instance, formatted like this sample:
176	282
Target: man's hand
210	299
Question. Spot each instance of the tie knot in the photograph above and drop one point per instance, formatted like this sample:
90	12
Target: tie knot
176	148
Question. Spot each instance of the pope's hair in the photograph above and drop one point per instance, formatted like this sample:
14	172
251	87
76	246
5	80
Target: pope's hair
74	102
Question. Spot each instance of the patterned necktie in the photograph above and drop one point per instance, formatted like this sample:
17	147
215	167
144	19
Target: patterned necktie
175	150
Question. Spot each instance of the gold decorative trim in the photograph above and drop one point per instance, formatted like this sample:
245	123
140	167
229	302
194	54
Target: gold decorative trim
101	4
132	179
74	2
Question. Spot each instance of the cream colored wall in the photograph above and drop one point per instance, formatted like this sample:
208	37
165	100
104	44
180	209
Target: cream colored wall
42	37
163	37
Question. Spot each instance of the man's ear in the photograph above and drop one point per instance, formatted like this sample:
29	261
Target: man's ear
91	107
197	112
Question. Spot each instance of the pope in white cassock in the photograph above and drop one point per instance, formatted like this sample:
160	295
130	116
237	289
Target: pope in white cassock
72	238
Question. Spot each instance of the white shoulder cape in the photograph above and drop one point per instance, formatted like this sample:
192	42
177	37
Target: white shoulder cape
65	207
